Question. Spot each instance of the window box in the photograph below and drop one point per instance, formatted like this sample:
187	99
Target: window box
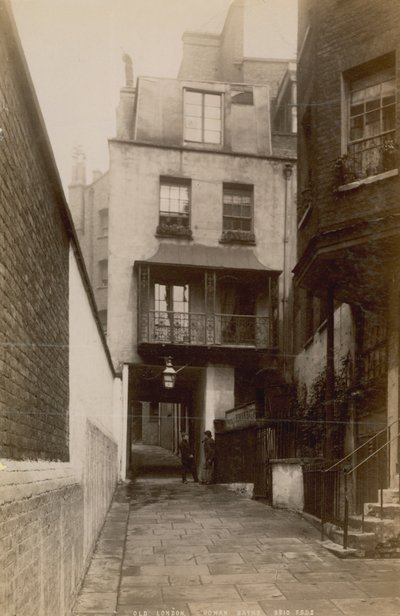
173	230
233	236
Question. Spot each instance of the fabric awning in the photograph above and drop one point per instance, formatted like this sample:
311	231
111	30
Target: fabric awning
213	257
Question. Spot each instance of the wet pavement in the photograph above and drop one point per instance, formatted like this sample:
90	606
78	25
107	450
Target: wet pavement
173	549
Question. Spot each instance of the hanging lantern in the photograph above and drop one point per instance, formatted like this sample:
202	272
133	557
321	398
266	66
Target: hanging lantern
169	374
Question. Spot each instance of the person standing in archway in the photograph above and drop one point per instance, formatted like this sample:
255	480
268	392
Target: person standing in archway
187	458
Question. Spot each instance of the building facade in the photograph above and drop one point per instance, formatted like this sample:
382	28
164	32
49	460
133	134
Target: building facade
347	273
201	233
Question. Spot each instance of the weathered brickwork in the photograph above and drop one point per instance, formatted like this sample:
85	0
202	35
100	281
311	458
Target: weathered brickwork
45	540
343	35
34	282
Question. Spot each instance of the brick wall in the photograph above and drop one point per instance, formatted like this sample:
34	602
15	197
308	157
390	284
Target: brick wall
47	534
343	35
34	282
59	397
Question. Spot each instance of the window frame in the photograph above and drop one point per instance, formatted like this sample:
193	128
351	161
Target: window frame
375	72
238	190
175	219
203	94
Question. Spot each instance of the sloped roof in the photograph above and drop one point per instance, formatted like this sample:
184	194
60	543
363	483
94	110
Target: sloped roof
215	257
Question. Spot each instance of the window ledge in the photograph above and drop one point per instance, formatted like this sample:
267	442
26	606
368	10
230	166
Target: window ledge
369	180
231	237
174	234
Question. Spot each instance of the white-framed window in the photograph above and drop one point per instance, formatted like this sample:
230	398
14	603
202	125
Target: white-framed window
174	202
171	315
202	117
237	208
371	119
103	273
103	222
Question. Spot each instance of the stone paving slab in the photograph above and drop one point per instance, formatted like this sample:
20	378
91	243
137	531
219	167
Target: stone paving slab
216	593
322	607
381	588
96	603
212	552
256	592
237	608
179	609
322	590
369	607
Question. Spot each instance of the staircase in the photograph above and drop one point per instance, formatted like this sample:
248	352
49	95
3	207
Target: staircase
375	532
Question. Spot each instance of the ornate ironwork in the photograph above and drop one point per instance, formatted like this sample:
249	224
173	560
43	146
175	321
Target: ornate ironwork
207	329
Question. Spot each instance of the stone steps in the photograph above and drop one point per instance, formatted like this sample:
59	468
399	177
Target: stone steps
390	510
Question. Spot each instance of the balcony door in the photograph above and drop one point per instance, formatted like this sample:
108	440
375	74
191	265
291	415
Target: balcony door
171	314
237	304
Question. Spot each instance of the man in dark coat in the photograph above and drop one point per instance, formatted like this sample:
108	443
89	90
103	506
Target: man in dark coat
187	458
209	458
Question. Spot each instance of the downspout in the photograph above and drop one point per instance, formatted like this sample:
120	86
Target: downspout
287	173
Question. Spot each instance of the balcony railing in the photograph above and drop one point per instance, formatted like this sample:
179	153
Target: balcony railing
188	328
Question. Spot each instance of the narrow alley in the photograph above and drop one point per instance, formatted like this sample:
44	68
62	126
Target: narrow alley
169	548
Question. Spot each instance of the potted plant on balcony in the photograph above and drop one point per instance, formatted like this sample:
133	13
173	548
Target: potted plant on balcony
173	229
237	235
389	154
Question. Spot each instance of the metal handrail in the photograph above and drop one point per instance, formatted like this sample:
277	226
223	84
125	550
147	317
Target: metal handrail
349	455
346	473
349	472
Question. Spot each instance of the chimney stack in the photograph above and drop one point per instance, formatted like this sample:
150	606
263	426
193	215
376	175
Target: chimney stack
126	102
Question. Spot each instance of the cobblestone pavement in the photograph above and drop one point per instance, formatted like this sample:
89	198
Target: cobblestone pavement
173	549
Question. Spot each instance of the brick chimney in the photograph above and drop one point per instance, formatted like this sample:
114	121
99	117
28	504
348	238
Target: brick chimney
126	104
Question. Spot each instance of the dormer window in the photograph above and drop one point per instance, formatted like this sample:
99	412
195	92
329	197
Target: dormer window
202	117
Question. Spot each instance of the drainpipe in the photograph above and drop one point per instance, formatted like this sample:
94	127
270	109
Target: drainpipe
330	377
287	173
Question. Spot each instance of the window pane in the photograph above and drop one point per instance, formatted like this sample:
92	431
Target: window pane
214	125
227	224
246	224
373	92
212	100
236	209
192	134
373	104
212	137
357	96
372	123
389	118
193	123
193	110
246	211
212	112
193	97
356	127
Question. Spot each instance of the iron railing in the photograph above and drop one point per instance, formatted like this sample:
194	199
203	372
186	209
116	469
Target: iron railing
359	477
205	329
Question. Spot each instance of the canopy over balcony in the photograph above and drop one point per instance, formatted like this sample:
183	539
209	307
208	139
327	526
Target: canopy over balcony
214	257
